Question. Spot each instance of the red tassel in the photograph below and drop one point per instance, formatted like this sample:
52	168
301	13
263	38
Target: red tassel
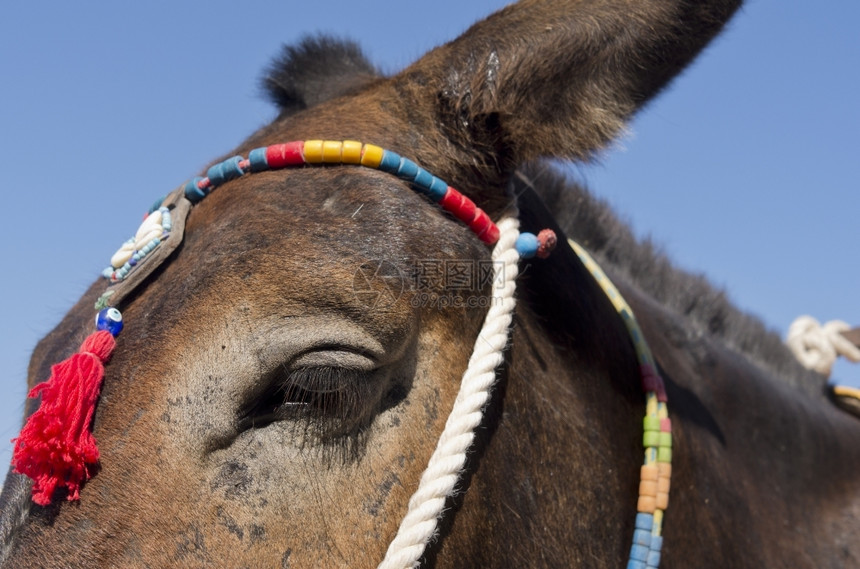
55	447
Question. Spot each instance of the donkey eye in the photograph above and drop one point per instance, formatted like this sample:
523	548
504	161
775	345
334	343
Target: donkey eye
329	397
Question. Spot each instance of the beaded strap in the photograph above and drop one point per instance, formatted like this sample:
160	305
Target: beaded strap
656	472
310	152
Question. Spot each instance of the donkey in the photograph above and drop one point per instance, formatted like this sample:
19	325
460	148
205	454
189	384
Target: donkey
278	390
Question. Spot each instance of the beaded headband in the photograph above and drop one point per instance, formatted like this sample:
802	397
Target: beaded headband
60	427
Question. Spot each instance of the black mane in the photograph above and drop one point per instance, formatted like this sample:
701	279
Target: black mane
314	70
640	263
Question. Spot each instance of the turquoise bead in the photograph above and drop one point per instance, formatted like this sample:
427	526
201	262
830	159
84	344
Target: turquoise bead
192	192
527	245
390	162
257	158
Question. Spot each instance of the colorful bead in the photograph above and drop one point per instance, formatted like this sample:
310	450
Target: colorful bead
642	537
109	319
407	170
371	155
639	553
284	155
651	438
390	162
458	205
437	189
481	224
313	152
646	504
422	181
224	171
527	245
644	521
649	472
351	153
651	423
192	190
166	219
257	159
548	240
331	151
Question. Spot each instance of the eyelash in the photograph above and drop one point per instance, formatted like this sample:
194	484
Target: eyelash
324	400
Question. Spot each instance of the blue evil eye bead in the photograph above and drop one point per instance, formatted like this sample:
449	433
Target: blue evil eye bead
109	319
527	245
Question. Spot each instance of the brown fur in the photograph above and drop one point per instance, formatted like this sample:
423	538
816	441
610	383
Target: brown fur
265	279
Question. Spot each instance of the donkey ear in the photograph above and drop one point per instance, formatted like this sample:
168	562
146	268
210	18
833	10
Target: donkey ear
560	78
315	70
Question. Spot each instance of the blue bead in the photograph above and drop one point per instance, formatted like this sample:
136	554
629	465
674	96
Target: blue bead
656	542
639	553
653	558
642	537
422	180
225	171
527	245
258	161
437	189
107	272
109	319
407	169
390	162
156	205
644	521
633	564
192	192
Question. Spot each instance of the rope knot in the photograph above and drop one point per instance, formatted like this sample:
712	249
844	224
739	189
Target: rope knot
817	346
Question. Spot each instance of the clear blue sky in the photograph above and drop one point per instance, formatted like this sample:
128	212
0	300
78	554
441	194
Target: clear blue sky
747	169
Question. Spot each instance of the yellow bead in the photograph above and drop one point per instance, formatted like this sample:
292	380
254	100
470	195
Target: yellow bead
313	151
371	156
351	152
331	151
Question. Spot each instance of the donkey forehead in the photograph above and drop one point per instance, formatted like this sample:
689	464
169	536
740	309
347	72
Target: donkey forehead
328	213
294	243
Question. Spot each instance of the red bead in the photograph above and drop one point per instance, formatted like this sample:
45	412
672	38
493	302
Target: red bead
548	241
480	223
289	154
459	205
491	235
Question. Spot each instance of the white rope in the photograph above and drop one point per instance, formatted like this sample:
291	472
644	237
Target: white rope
816	347
443	470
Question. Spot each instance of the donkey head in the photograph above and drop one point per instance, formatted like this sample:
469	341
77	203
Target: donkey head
284	376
